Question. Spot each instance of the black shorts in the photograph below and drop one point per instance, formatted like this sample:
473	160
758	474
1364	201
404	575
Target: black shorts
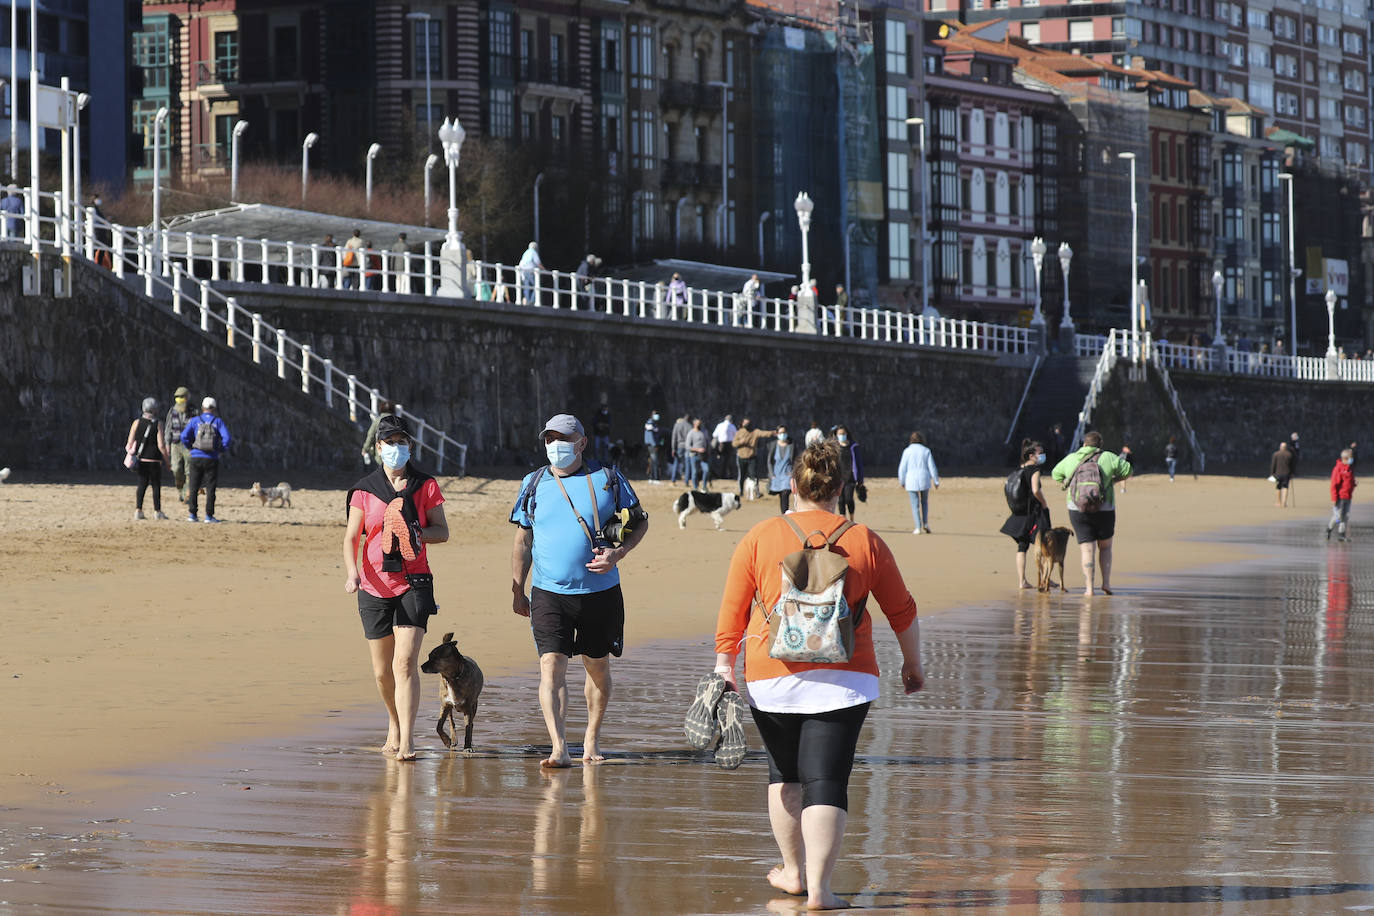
813	749
591	624
1092	526
381	615
1281	483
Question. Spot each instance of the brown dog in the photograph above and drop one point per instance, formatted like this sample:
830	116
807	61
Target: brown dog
462	685
1049	551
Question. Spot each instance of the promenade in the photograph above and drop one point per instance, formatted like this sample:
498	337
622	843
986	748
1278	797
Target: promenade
1200	742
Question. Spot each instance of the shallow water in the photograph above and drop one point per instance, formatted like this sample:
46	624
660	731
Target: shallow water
1203	745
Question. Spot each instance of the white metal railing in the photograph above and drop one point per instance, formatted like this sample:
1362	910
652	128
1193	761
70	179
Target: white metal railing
1178	408
1187	358
130	252
638	299
1105	364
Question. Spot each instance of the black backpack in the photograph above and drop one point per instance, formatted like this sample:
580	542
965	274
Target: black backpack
1017	492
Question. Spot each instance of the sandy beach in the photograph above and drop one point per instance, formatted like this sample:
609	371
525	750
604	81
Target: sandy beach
136	642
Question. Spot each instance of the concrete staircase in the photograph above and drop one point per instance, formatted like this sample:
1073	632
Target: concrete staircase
1056	396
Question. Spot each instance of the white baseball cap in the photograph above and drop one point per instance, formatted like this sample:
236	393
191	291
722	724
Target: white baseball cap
208	404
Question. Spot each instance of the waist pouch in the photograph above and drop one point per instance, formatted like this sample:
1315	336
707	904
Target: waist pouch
423	585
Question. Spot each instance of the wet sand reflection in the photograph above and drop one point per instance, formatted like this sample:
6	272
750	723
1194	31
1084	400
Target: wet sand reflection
1203	746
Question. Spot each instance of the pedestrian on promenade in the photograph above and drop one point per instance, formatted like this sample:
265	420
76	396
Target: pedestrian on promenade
400	277
1281	472
916	473
1030	511
397	510
1171	457
653	439
678	442
779	468
208	439
746	444
13	203
575	605
353	259
147	445
329	259
1093	527
373	267
178	415
698	460
851	472
583	277
841	304
810	714
677	296
1342	491
526	270
747	300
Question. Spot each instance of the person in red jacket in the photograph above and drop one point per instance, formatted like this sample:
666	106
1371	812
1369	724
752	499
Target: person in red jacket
1342	489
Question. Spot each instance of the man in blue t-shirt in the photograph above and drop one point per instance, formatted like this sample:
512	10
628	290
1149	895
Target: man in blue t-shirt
575	605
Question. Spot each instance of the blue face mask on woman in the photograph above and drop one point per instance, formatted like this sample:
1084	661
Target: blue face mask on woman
393	456
1040	458
562	455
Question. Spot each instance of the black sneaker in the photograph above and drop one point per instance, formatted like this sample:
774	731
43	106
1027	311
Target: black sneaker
1328	534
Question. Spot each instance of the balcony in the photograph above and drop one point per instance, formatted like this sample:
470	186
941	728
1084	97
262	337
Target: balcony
216	73
695	96
686	174
547	73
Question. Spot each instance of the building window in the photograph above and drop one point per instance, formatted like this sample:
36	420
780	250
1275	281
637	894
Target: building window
285	53
641	139
526	58
152	52
502	113
896	47
898	183
499	44
899	251
558	131
1080	30
896	113
428	58
642	53
226	57
556	59
527	123
1031	32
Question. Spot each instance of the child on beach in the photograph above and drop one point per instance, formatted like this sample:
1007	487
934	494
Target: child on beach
1342	490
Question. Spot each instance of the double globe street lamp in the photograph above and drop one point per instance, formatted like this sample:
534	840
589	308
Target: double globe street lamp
451	137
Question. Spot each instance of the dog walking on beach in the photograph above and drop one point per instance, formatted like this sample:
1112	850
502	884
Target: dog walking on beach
1049	552
280	494
718	505
461	685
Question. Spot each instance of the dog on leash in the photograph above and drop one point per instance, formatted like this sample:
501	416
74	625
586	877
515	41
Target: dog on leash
718	505
1049	551
281	494
461	685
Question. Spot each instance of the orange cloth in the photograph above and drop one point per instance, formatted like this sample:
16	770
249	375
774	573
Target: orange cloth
754	567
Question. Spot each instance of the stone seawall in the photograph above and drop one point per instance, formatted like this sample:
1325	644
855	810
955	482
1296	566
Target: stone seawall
1239	421
74	372
491	373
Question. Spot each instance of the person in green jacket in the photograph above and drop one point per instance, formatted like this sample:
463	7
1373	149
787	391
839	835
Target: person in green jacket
1094	529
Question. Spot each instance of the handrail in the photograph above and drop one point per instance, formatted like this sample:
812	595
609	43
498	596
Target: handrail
1016	417
1178	409
128	249
1105	363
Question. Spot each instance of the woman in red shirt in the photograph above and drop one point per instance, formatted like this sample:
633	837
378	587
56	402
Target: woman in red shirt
810	714
398	510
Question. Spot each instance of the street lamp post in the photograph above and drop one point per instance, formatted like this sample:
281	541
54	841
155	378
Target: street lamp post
239	128
372	152
451	136
1038	249
82	100
310	140
1330	324
538	180
1293	271
1218	281
429	101
763	218
1065	256
925	223
431	161
158	120
1135	260
806	299
724	88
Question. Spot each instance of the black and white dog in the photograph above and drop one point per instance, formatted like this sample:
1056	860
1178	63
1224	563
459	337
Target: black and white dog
718	504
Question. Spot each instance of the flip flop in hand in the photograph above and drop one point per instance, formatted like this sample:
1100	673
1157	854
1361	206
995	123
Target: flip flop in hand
394	523
700	724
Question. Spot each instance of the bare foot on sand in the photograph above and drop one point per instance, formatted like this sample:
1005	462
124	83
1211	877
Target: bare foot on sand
1106	591
591	752
405	756
789	882
556	762
1025	584
826	902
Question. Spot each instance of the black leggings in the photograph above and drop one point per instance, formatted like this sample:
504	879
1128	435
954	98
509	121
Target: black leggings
150	473
846	506
784	500
814	749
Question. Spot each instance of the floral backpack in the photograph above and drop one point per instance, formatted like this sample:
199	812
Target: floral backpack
812	621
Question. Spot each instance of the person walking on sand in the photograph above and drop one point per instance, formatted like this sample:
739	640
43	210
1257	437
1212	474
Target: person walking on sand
917	474
698	458
680	462
149	449
747	443
397	510
575	605
1342	491
1092	504
208	438
810	714
178	415
779	468
653	443
1171	457
1281	472
1031	514
851	471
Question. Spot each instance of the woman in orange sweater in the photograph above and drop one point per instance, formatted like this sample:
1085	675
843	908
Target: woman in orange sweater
810	715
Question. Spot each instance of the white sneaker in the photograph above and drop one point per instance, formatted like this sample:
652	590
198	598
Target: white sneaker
917	531
138	515
160	516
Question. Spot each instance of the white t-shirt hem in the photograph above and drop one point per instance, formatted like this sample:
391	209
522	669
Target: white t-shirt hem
812	691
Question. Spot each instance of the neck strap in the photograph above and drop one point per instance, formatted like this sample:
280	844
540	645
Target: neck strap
596	515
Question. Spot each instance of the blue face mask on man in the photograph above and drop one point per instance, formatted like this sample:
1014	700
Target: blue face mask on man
393	455
562	454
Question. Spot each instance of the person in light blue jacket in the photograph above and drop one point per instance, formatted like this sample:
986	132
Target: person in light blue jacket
917	474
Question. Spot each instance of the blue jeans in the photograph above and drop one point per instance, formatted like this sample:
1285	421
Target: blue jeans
701	472
920	506
1172	464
